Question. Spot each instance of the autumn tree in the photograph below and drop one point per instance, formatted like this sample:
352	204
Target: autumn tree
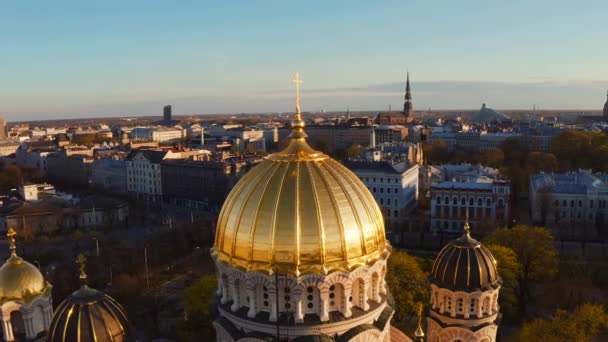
539	161
509	269
583	325
493	157
438	152
353	151
408	285
535	251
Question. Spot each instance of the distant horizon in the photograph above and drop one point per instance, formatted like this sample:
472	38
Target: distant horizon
71	59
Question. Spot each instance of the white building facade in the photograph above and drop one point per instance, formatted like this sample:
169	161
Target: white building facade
487	203
394	186
570	204
144	173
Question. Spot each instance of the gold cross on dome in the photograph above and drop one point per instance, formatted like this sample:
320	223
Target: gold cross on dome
467	228
297	81
81	260
11	234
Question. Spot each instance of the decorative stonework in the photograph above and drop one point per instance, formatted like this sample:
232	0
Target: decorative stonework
35	314
321	296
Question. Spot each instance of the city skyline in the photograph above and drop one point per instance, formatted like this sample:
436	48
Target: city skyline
85	60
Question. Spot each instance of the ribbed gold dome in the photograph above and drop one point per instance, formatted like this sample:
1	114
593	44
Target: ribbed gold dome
19	280
300	212
90	315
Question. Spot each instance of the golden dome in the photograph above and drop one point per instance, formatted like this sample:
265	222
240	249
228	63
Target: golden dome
300	212
89	315
19	279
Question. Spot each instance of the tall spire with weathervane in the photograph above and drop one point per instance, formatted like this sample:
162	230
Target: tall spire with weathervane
408	106
606	108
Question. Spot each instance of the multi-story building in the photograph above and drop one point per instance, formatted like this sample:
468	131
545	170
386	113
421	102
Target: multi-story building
159	134
393	185
33	154
70	170
109	175
571	204
486	201
167	114
8	147
389	133
144	173
202	184
331	138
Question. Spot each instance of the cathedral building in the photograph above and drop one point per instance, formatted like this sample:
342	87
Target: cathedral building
399	118
25	298
464	293
300	252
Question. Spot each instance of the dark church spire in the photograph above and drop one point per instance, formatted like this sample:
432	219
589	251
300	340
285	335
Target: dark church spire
408	106
606	108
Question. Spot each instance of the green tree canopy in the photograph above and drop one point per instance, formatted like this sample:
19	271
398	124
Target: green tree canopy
408	285
509	269
535	251
583	325
197	302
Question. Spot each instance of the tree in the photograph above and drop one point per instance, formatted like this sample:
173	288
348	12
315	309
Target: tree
493	157
538	161
515	151
408	285
583	325
573	149
535	250
198	299
438	152
509	269
10	177
353	151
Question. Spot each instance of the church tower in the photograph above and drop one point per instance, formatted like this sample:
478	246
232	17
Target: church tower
606	108
464	293
300	252
408	106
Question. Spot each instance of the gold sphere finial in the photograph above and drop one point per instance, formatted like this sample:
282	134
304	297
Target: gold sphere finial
81	260
11	234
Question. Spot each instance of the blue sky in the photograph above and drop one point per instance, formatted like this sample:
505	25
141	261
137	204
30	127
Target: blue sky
111	58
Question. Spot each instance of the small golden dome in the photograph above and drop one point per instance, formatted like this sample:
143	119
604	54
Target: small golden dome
89	315
300	212
19	279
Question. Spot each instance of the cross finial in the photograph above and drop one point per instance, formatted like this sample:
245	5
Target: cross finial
467	228
297	81
81	260
11	235
297	125
419	333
